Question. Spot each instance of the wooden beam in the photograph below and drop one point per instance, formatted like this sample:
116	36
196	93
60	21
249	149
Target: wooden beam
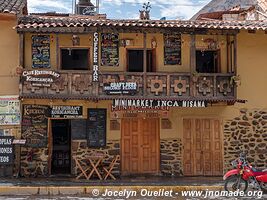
145	62
228	43
193	53
235	54
57	52
21	49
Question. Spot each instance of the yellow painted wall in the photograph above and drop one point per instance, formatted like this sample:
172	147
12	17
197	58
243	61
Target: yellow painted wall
9	58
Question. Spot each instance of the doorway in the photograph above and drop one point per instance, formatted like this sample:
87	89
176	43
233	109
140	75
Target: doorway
202	142
61	134
135	59
140	148
207	61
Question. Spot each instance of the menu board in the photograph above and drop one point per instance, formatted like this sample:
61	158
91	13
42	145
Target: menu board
109	49
34	125
172	49
96	127
78	129
6	150
9	110
40	51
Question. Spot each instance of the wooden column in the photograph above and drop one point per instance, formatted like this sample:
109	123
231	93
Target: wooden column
228	52
193	53
145	63
57	52
21	49
235	54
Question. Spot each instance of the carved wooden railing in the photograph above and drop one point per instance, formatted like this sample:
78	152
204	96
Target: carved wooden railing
175	85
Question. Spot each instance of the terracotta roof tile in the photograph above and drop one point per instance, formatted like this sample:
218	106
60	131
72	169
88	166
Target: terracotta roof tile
13	6
83	21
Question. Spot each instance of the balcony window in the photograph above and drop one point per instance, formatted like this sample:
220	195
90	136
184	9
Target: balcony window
136	60
207	61
74	59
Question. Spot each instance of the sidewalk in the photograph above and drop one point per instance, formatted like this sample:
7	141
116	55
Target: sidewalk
71	186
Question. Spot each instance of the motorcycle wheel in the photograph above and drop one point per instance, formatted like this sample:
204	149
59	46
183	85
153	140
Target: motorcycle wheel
263	187
231	184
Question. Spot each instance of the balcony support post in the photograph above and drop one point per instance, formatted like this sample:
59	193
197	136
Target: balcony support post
21	49
235	54
193	53
145	63
57	52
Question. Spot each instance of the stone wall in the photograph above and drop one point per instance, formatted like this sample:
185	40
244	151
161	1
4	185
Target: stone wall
81	151
246	132
171	157
34	162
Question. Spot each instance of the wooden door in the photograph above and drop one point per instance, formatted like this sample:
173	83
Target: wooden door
202	147
140	146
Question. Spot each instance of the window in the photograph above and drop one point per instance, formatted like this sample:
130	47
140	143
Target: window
207	61
135	60
74	59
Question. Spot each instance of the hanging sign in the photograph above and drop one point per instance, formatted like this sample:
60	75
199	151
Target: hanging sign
40	51
152	103
127	88
6	150
40	78
9	110
95	58
67	112
109	49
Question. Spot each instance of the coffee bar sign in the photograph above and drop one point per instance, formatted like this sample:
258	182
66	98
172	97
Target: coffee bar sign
40	78
121	88
68	112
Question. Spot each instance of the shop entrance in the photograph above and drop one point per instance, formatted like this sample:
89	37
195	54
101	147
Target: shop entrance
202	142
140	145
61	151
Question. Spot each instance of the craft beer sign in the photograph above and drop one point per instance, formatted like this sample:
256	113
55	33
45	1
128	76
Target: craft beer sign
95	58
127	88
6	150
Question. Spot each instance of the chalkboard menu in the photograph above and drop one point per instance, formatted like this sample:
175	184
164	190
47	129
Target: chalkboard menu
109	49
34	125
6	150
172	49
40	51
96	127
78	129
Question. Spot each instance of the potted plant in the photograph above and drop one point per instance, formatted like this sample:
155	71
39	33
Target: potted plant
235	80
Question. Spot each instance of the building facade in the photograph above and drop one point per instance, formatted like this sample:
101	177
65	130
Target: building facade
9	90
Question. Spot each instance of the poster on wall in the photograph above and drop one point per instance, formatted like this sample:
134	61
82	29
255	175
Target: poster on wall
34	125
172	49
9	110
40	51
6	150
109	49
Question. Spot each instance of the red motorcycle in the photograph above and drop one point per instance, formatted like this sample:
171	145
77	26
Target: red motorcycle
243	175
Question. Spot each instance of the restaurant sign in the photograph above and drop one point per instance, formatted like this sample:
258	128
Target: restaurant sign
6	150
40	78
152	103
67	112
121	88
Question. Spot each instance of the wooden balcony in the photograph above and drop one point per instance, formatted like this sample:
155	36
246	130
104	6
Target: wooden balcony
79	85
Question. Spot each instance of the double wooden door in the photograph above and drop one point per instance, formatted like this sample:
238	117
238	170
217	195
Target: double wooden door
202	142
140	151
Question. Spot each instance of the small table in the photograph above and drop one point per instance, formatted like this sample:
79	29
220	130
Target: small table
94	161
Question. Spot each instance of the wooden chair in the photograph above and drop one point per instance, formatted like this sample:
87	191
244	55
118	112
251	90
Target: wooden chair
109	168
84	168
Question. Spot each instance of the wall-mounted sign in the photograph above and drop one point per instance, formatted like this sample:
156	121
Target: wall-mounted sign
9	110
40	78
109	49
34	125
172	49
6	150
152	103
67	112
40	51
95	58
127	88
